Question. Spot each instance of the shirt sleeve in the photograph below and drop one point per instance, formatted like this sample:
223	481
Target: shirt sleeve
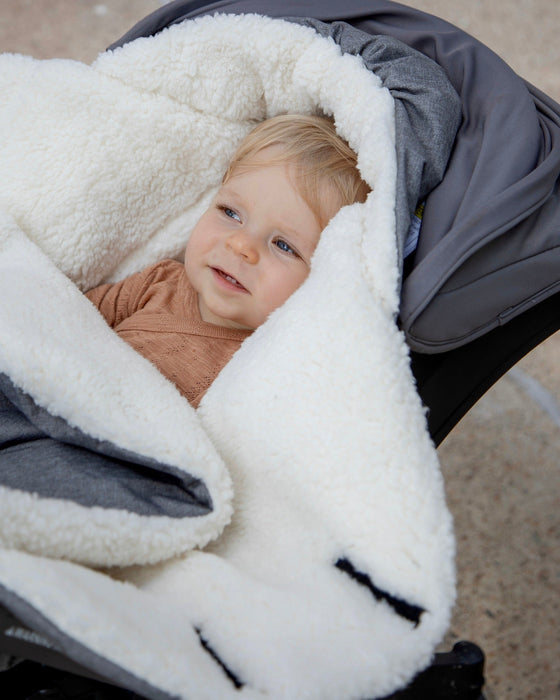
120	300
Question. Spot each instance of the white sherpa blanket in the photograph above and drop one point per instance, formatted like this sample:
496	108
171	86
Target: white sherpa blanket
322	566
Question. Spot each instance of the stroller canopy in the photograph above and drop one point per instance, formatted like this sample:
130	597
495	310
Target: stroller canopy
489	248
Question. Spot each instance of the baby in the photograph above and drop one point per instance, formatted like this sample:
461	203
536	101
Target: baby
246	255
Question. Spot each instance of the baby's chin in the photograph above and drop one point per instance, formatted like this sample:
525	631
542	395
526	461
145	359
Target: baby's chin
239	324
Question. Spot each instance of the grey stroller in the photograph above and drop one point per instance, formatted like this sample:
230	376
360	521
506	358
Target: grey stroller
481	284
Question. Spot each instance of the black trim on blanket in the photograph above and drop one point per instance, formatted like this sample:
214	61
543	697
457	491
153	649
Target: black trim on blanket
401	607
230	674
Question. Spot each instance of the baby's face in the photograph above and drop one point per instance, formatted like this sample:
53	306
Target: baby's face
252	248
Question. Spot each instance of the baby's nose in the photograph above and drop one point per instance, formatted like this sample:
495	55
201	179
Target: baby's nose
241	243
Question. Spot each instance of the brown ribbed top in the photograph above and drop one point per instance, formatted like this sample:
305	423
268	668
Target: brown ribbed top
156	311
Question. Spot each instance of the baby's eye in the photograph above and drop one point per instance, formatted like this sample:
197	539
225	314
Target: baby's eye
285	247
230	213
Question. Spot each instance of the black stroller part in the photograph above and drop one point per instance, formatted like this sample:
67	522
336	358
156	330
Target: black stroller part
48	674
31	681
18	641
454	675
39	668
452	382
490	242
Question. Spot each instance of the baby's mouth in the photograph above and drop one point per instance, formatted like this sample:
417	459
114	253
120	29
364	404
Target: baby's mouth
226	277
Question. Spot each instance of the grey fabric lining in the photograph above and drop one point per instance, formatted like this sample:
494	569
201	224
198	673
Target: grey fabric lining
41	453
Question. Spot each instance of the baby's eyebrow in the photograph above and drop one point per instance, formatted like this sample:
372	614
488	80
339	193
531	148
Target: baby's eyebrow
301	240
227	191
297	234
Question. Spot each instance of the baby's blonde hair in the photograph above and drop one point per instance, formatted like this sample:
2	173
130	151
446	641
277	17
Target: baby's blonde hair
320	156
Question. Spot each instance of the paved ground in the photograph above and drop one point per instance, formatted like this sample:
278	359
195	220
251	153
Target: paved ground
502	462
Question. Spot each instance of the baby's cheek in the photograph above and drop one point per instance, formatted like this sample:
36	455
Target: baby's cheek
284	290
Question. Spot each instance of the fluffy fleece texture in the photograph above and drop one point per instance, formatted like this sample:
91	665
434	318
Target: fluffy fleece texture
335	578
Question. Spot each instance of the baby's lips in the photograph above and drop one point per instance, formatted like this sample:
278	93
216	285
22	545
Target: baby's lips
230	278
